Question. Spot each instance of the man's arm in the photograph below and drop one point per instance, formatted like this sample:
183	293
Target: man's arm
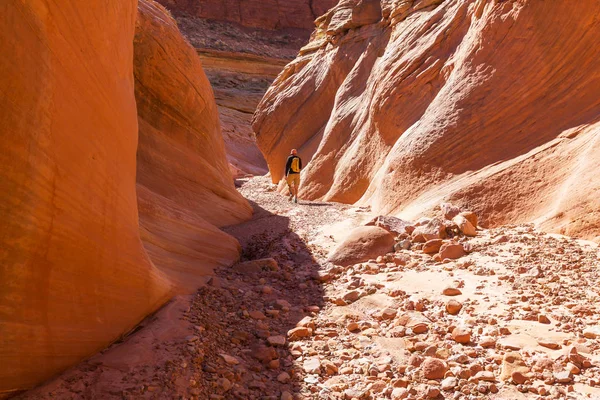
300	162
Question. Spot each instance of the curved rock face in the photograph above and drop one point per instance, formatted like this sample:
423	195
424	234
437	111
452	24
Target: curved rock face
185	188
401	105
74	272
267	14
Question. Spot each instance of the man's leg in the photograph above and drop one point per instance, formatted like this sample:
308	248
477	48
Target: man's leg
296	186
289	181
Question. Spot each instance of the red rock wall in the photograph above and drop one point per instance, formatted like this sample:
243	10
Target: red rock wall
267	14
74	272
403	105
185	187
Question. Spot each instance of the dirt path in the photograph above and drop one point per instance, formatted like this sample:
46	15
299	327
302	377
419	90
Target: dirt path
296	328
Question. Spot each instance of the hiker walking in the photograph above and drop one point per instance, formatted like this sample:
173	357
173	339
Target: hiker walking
293	166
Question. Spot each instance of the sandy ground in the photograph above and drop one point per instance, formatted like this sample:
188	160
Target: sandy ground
286	332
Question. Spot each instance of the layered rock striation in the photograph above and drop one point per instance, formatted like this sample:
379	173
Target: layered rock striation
269	14
75	274
490	105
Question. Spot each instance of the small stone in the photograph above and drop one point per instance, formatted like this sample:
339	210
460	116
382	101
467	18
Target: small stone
267	290
461	335
400	393
451	291
312	365
225	384
283	377
464	225
591	333
276	340
229	359
282	304
257	315
452	251
432	246
563	377
351	296
487	376
352	326
432	392
453	307
286	396
449	383
471	217
298	333
419	328
388	313
330	368
487	342
550	344
542	319
518	377
434	368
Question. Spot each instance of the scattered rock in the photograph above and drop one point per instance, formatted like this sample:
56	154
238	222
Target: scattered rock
312	365
434	368
432	246
451	251
453	307
461	334
451	291
464	225
229	359
276	340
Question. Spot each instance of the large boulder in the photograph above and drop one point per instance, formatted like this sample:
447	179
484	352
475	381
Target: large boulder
420	107
362	244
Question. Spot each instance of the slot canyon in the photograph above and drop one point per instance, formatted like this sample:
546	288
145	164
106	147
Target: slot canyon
443	243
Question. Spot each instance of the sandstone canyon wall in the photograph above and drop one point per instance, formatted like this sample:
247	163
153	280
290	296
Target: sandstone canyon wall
402	104
184	185
267	14
75	274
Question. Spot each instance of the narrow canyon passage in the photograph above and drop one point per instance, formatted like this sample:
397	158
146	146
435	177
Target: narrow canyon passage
285	324
438	251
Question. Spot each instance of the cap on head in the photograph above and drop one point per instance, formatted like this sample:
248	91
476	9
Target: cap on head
294	151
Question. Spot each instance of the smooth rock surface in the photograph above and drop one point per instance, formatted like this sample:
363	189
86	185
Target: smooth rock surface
74	272
415	104
362	244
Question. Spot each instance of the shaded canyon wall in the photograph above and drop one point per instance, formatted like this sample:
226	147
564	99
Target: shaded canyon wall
401	105
74	272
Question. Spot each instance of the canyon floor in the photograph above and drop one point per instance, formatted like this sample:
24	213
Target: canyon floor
522	321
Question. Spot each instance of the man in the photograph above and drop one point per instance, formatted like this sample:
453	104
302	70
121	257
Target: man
293	166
